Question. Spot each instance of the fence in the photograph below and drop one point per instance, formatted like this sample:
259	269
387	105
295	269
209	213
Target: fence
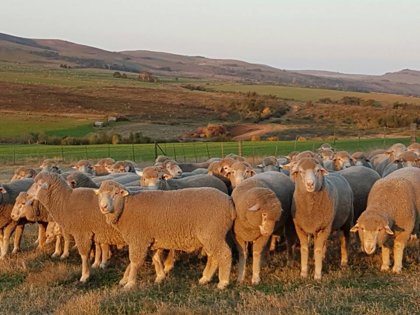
190	151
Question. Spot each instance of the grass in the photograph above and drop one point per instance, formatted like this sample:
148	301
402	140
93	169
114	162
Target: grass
181	151
310	94
32	282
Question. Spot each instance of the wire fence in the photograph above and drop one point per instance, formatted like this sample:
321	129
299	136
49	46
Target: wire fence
187	151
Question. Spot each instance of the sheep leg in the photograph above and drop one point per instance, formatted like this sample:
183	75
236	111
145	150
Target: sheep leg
344	240
137	255
84	245
242	247
39	232
18	238
257	249
209	270
224	261
170	261
57	251
304	251
157	262
8	230
124	279
291	239
105	255
386	252
98	253
320	247
399	245
66	251
42	227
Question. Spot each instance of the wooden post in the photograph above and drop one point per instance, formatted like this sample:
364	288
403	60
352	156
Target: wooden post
132	152
384	136
222	149
240	148
413	129
207	148
173	149
195	153
295	146
155	150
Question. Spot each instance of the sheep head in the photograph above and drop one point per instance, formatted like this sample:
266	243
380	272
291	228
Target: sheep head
263	209
342	160
359	158
151	177
373	229
310	173
23	172
407	159
84	166
111	197
171	168
240	171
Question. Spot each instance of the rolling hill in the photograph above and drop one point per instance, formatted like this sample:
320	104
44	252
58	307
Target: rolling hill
53	53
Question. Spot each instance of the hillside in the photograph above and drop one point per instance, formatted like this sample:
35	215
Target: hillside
54	53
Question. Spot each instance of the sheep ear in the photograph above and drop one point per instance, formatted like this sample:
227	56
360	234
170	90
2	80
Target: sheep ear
355	228
124	192
140	173
74	167
3	190
323	171
29	202
96	191
388	152
166	176
253	173
255	207
388	230
260	166
127	168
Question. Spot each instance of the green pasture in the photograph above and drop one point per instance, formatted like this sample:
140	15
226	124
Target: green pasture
191	151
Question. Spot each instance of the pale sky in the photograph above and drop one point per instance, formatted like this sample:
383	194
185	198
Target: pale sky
352	36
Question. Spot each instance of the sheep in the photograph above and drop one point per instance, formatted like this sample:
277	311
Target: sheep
322	203
23	172
325	146
50	165
341	160
186	219
79	179
326	154
8	195
31	210
405	159
153	178
382	160
77	212
361	180
190	167
393	210
197	171
122	178
235	157
263	205
102	166
414	147
361	159
269	163
55	232
122	167
240	171
84	166
171	168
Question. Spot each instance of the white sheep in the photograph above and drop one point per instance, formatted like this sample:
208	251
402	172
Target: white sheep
186	219
393	210
322	203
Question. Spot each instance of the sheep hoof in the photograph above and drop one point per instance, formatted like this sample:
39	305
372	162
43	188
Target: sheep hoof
255	280
15	251
317	277
413	237
304	274
129	286
344	264
123	281
95	265
54	255
396	270
103	265
83	279
159	279
64	256
384	268
222	284
203	280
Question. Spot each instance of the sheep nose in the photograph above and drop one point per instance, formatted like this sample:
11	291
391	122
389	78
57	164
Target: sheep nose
369	249
103	205
310	183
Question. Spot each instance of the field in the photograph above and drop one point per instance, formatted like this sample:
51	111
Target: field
20	154
33	283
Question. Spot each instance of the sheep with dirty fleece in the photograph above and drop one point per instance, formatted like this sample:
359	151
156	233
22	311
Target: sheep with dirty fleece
322	203
77	212
197	218
8	195
393	211
153	179
263	206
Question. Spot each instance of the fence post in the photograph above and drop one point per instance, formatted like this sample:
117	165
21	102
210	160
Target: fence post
275	152
132	151
384	136
207	148
155	150
14	155
195	152
240	148
86	152
173	148
62	153
295	146
413	128
109	150
222	149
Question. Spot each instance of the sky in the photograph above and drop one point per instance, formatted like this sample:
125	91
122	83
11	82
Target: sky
352	36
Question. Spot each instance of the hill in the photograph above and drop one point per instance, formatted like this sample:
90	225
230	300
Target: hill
54	53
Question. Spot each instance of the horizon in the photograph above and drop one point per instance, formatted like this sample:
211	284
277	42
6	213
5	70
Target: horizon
353	38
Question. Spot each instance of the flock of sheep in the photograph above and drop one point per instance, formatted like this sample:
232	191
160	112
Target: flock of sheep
218	206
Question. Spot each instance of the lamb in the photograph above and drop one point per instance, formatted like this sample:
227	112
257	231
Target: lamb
153	179
8	195
361	180
102	166
84	166
31	210
23	172
342	160
77	212
361	159
393	210
197	218
263	206
50	165
322	203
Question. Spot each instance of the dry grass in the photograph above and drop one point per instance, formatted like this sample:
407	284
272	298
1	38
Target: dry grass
34	283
